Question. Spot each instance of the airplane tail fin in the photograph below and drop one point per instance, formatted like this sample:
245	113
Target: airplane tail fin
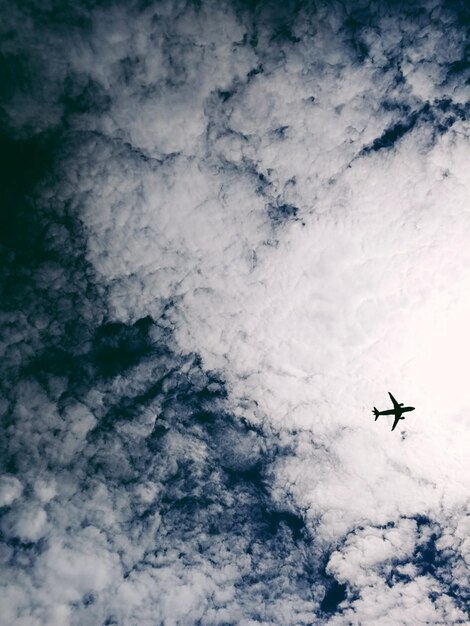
376	413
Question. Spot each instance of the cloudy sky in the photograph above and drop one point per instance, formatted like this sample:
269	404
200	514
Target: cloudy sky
228	229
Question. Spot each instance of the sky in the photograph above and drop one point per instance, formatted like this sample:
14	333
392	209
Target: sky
228	230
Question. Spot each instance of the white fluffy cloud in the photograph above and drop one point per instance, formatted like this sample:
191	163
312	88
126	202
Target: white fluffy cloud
10	490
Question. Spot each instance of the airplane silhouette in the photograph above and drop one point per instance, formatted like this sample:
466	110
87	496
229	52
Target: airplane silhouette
397	410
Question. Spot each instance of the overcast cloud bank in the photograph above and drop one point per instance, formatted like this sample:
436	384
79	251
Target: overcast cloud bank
228	229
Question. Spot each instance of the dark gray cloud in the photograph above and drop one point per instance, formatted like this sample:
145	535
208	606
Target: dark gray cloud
226	228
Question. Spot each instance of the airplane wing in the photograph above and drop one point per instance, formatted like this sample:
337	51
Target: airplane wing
395	403
397	419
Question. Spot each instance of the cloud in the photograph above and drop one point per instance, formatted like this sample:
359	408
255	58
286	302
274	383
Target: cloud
10	490
229	230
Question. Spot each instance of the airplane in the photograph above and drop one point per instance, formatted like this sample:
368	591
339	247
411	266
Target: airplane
397	411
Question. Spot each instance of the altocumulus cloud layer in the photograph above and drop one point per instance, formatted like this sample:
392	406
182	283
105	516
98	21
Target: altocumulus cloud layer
228	229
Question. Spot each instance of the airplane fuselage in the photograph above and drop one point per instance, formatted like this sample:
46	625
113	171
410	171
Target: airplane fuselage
404	409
